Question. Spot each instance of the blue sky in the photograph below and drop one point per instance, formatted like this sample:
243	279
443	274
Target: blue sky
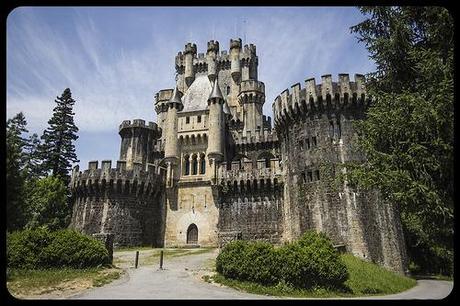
115	59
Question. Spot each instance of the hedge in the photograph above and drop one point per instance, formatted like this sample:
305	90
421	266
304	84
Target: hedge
41	249
309	262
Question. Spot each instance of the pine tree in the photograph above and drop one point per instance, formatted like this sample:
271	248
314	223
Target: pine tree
408	133
15	174
58	150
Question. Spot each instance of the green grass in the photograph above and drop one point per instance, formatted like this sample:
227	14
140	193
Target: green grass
364	279
37	282
368	278
153	257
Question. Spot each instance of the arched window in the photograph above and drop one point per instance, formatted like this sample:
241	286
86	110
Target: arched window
186	165
194	164
202	164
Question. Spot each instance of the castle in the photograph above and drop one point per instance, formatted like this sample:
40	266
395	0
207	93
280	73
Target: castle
213	169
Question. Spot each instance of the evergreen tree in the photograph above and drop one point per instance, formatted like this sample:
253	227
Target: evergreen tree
408	133
58	150
15	174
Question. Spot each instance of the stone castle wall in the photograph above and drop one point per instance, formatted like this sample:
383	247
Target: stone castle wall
125	203
315	128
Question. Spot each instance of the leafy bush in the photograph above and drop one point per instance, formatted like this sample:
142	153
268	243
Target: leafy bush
231	259
309	262
24	248
312	261
40	248
69	248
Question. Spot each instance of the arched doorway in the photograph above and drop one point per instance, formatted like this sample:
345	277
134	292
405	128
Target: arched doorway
192	234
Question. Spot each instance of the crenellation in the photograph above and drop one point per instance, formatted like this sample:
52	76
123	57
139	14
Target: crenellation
220	171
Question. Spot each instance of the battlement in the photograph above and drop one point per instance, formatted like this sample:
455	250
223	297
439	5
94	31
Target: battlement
163	95
190	48
138	180
259	137
235	43
250	49
139	123
243	176
316	97
213	46
199	61
252	85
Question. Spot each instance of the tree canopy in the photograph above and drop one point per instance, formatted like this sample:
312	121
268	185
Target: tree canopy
408	133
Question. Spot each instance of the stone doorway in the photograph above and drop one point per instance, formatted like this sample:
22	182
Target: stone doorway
192	234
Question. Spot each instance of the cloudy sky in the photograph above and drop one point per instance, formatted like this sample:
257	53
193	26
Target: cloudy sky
115	59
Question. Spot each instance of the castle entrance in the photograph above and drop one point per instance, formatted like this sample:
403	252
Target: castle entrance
192	234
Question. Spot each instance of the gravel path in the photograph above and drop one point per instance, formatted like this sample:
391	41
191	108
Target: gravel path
181	279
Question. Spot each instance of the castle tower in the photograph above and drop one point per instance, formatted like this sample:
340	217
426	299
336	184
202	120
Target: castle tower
161	108
249	63
171	143
189	72
211	56
252	99
137	140
215	149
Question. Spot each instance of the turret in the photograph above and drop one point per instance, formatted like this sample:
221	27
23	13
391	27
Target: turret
235	48
252	98
171	143
249	63
211	56
161	108
137	139
189	53
215	150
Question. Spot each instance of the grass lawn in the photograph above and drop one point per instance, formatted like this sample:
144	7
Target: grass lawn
126	257
364	279
57	282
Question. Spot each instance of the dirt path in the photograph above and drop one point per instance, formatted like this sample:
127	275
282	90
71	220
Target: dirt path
181	279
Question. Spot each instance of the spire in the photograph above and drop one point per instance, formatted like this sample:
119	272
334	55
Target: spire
175	97
215	92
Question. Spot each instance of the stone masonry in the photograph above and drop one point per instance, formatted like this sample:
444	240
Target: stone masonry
213	169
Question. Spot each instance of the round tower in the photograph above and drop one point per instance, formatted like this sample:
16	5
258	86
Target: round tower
171	143
161	108
211	55
235	48
215	151
190	54
137	140
252	98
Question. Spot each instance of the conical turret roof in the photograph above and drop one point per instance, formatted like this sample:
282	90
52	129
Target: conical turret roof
175	97
215	93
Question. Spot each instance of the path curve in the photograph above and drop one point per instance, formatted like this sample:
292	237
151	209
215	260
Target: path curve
181	279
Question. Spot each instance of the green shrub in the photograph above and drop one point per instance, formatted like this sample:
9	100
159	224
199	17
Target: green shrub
309	262
231	259
40	248
261	263
312	261
24	248
69	248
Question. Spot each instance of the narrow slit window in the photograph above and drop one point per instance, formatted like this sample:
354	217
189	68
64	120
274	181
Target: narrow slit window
198	119
313	140
316	175
309	177
301	144
187	120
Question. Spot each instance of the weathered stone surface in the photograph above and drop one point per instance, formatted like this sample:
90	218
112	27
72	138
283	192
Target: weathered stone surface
206	177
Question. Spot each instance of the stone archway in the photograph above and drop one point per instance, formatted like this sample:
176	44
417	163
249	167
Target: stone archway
192	234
